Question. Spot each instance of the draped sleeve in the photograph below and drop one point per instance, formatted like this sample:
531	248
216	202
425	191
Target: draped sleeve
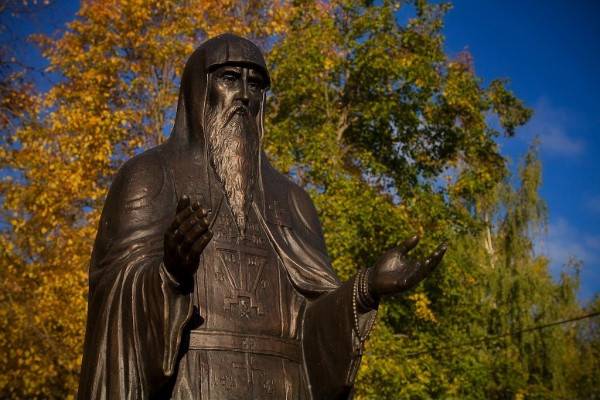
136	311
334	330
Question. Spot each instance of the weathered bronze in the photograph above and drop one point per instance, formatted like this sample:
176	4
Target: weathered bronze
209	276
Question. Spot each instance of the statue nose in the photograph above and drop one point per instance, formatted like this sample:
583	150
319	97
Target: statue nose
244	89
244	93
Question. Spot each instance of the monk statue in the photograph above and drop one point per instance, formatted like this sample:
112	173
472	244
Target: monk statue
209	277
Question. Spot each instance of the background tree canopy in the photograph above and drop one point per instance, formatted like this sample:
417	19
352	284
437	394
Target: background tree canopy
389	135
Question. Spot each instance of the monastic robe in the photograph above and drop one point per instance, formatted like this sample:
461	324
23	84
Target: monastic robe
264	317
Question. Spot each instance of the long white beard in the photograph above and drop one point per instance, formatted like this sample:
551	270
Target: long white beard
233	146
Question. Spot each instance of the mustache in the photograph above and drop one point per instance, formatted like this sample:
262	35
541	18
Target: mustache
238	109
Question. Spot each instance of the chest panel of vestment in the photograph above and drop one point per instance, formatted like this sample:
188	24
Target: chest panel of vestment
247	346
241	284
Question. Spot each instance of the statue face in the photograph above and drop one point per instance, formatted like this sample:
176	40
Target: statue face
234	85
234	97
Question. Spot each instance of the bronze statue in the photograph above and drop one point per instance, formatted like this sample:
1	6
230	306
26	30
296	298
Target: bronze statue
209	276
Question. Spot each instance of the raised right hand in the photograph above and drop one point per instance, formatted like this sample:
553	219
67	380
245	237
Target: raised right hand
185	239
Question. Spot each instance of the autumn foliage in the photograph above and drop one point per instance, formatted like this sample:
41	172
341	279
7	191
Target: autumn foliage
390	135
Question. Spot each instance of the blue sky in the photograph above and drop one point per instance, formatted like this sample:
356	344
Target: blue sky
550	52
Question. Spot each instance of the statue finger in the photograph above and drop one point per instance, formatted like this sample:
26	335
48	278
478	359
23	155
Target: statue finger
424	269
184	214
180	217
184	202
205	213
201	243
434	259
408	244
178	236
196	217
195	232
181	253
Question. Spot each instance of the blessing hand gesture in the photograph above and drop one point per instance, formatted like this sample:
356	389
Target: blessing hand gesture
186	238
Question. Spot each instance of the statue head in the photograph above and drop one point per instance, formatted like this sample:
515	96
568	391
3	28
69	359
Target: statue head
222	95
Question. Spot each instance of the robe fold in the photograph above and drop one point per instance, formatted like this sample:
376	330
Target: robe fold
137	313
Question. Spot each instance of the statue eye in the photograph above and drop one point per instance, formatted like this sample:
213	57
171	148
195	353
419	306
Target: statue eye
229	76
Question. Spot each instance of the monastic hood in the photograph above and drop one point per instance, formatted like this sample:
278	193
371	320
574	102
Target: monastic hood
220	50
308	266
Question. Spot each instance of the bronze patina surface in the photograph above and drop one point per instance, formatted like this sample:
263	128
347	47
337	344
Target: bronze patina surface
209	276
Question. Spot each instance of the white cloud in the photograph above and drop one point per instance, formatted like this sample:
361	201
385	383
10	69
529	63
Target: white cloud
565	242
555	127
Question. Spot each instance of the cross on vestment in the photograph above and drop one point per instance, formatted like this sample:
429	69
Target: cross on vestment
252	372
243	272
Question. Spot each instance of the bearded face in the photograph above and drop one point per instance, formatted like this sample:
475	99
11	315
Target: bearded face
235	94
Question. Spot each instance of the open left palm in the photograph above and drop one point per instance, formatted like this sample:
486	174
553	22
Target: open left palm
396	272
